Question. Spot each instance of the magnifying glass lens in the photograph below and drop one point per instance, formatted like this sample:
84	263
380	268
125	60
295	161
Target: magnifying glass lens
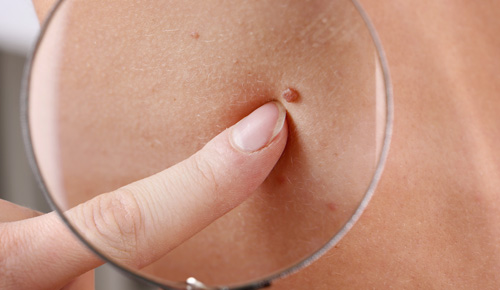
121	90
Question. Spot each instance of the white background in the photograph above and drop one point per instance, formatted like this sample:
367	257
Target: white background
18	25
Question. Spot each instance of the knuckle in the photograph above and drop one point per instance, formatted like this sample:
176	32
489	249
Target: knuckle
205	173
116	219
9	270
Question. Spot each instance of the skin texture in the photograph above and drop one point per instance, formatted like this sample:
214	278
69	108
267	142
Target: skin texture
435	219
190	89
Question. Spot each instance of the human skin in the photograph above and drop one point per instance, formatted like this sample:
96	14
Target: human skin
434	220
129	109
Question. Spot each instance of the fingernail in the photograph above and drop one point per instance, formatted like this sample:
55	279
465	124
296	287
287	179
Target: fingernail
259	128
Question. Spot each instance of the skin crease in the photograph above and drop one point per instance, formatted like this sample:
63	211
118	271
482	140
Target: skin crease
434	220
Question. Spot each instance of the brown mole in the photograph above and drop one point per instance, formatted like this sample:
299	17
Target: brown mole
195	35
290	95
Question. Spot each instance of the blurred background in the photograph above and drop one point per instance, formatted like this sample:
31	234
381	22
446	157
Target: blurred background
18	31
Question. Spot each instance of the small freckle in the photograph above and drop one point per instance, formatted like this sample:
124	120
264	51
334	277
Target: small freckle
290	95
332	206
195	35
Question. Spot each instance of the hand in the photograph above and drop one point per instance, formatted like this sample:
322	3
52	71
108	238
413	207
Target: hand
141	222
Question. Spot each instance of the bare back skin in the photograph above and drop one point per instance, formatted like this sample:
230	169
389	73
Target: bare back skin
434	221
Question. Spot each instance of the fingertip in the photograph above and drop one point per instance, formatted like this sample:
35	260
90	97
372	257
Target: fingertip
258	129
281	122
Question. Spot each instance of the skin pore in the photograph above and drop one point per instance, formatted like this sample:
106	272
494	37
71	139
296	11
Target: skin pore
434	221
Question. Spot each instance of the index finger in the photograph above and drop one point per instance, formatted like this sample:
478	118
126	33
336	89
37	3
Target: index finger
139	223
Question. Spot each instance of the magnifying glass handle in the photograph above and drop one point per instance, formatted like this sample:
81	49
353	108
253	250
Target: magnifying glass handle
193	284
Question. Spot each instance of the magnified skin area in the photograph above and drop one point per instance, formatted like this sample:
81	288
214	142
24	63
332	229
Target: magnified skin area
434	221
133	100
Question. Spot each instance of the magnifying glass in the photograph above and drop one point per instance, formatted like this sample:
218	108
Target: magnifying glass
119	90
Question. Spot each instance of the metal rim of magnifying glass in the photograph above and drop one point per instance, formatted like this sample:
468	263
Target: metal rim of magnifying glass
192	284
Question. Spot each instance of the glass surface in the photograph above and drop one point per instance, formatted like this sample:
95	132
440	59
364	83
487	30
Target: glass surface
120	90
